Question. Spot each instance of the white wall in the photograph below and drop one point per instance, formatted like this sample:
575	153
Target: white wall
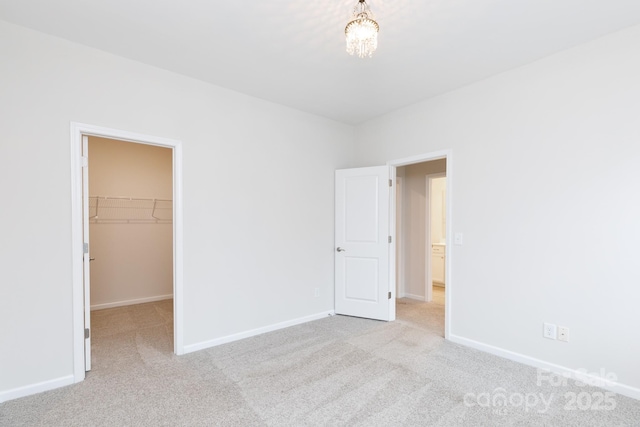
258	197
545	178
133	262
413	233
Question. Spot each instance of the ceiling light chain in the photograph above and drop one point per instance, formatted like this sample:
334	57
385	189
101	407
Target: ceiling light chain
362	31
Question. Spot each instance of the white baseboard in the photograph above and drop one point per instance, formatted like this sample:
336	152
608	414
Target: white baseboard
35	388
130	302
416	297
623	389
253	332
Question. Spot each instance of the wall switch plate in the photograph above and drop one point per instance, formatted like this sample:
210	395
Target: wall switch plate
563	333
550	331
316	292
457	239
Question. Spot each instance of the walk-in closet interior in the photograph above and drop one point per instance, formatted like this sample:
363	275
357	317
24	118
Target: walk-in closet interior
130	223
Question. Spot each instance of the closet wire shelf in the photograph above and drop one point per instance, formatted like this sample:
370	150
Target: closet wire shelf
130	210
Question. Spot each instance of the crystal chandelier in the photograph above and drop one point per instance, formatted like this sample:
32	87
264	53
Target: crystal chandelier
362	31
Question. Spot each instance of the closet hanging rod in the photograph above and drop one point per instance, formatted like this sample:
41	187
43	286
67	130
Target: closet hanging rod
128	208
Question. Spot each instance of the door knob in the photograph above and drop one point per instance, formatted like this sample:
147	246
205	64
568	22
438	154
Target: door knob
339	249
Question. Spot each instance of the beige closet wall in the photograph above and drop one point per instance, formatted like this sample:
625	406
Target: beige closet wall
133	261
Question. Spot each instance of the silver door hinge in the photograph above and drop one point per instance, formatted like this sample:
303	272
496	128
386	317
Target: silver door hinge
390	183
86	333
85	248
389	295
85	161
389	239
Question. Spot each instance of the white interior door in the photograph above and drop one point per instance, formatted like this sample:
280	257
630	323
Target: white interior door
86	256
362	264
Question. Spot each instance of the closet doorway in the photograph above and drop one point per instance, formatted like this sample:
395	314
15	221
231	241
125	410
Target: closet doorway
127	229
130	240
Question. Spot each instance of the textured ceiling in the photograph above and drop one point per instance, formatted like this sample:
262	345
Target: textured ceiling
292	52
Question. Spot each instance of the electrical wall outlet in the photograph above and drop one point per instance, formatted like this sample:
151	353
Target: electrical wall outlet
563	333
550	331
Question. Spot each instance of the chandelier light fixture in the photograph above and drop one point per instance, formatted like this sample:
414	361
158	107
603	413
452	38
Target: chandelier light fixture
362	31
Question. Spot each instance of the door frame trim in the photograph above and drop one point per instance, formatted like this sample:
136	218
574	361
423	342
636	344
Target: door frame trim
421	158
77	131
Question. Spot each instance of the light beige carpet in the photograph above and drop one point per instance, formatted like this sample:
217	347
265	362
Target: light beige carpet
338	371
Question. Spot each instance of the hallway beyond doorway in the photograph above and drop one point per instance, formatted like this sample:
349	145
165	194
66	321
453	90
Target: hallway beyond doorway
428	316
